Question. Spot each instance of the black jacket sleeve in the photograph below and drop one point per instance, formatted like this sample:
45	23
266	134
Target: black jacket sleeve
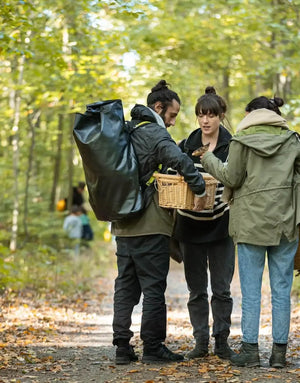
171	155
154	146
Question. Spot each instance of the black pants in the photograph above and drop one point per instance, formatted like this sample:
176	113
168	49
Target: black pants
219	257
143	265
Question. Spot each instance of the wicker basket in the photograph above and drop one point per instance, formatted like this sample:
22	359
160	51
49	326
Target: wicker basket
297	258
173	191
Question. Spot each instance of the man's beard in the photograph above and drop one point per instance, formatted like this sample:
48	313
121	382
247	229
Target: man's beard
163	116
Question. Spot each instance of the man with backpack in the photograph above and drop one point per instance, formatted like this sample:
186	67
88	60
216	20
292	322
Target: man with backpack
143	240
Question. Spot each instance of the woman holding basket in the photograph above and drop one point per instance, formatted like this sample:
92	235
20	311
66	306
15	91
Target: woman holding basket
204	239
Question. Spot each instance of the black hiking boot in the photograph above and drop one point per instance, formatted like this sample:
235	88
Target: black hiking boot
200	351
248	356
277	359
160	354
125	354
222	349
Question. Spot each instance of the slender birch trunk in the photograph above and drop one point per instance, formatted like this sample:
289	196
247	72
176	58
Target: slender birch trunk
57	162
16	155
33	121
70	161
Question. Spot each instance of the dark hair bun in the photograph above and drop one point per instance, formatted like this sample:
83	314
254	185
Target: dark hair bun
278	101
161	92
262	102
162	84
210	90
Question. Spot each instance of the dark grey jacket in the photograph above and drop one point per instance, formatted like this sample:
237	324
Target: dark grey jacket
153	146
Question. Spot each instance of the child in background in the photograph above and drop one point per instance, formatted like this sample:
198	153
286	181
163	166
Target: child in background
73	227
87	231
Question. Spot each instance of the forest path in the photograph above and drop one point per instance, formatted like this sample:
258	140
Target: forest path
47	341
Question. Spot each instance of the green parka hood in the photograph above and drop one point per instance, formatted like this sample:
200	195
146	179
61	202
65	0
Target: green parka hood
261	117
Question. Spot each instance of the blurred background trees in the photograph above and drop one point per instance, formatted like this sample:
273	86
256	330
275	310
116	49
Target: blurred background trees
57	56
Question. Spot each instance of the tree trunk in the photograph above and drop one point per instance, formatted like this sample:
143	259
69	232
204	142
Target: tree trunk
70	161
16	154
33	122
57	163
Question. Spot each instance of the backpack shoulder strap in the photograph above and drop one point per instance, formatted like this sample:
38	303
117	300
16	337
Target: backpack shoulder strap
152	178
141	124
130	127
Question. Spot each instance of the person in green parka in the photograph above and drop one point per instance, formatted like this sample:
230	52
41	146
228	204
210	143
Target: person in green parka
262	183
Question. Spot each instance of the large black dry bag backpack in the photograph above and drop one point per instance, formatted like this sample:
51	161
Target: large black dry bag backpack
109	161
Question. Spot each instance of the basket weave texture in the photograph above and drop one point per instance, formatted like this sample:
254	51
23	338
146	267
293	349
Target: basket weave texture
297	257
174	192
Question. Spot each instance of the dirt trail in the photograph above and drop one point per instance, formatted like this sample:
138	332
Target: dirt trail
74	344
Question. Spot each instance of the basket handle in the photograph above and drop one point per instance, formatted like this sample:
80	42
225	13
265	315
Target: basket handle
156	185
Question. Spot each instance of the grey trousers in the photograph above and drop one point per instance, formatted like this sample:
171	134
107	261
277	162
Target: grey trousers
219	258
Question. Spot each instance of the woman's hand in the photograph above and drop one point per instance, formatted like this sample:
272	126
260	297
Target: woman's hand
202	155
199	203
200	151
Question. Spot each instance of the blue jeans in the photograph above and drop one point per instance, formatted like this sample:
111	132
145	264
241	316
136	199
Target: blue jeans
251	266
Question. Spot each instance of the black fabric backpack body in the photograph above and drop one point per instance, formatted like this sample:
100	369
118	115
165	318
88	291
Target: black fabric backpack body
109	161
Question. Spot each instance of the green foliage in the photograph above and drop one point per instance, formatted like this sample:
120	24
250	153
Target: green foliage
45	269
46	261
7	268
53	266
